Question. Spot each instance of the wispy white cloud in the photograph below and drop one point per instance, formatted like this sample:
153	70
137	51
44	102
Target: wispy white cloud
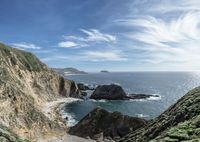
173	40
165	6
105	56
92	36
160	33
94	56
67	44
24	45
97	36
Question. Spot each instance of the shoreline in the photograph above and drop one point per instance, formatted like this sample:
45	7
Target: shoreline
52	111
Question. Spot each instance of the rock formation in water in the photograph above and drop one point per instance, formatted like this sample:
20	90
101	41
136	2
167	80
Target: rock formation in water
115	92
109	92
84	87
181	122
25	85
101	122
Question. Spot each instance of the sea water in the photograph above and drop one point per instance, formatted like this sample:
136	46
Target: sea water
170	86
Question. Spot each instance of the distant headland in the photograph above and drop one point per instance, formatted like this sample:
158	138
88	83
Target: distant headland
68	71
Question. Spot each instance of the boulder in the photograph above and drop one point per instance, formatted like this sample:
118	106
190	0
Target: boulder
116	92
100	122
109	92
84	87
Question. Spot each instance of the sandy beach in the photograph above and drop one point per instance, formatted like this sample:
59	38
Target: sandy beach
51	110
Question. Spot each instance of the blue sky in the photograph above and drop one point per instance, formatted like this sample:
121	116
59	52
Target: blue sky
116	35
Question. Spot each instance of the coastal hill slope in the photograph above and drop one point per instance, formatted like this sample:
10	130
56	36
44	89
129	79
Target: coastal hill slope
68	71
181	122
25	85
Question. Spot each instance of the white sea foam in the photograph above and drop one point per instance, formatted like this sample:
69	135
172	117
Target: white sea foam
69	117
155	97
142	115
102	101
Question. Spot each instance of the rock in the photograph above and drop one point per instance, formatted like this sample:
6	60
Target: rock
74	91
100	121
141	96
98	137
84	94
109	92
84	87
116	92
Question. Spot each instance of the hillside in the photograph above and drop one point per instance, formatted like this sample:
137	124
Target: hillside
25	85
68	71
178	123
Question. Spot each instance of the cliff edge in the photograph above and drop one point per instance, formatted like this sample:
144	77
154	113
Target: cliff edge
25	85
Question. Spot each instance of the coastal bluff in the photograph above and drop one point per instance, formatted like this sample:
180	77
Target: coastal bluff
25	85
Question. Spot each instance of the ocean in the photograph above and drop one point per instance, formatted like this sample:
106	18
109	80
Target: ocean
170	86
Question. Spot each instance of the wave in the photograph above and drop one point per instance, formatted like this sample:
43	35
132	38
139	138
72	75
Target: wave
102	101
69	117
155	97
140	115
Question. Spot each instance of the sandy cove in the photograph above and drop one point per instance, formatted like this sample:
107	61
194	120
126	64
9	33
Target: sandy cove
52	111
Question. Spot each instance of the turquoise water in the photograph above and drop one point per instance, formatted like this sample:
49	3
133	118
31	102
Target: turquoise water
169	85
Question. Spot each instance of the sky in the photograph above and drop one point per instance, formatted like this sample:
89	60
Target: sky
114	35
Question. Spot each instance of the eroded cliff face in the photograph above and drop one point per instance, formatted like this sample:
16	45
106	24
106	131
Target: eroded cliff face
181	122
25	85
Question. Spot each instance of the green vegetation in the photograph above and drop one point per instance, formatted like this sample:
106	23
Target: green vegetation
188	131
25	60
7	136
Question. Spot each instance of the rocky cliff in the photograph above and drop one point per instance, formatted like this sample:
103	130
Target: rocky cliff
25	85
181	122
101	124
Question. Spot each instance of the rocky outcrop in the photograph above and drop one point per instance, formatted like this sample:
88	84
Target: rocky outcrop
116	92
83	87
100	122
25	85
141	96
109	92
179	122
